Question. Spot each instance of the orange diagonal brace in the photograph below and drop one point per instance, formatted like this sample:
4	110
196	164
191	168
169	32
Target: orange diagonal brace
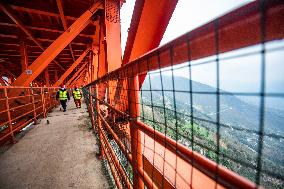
56	47
74	65
7	10
79	79
148	24
76	74
64	23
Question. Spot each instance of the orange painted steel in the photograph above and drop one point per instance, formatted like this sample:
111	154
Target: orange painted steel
24	55
148	24
231	27
56	47
112	168
71	68
134	113
9	115
102	60
7	10
102	66
46	75
14	115
147	28
76	74
114	158
113	43
63	20
148	181
184	154
77	78
99	123
91	108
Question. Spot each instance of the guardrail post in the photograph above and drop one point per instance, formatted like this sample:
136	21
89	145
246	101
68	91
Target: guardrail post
99	122
43	102
9	116
133	100
33	101
91	108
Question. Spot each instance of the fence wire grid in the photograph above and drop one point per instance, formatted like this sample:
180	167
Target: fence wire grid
225	107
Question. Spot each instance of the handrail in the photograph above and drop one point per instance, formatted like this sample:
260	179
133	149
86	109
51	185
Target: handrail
35	102
218	36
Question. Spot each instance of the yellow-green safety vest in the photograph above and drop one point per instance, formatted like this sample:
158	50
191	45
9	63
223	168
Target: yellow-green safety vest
77	94
62	95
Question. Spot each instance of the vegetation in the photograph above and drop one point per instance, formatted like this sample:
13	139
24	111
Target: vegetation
238	149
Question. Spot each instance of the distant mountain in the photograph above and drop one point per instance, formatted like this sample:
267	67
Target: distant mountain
236	117
233	111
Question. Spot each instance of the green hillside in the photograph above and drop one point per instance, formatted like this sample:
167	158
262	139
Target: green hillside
238	127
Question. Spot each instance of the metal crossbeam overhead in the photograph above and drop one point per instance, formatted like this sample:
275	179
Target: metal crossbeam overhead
78	77
148	25
57	46
42	29
153	135
62	17
72	67
7	10
76	74
40	12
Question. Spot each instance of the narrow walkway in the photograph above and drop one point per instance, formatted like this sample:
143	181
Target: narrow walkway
61	154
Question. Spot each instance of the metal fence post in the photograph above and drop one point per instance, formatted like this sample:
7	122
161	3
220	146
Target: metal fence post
9	116
133	100
33	101
43	102
91	108
99	123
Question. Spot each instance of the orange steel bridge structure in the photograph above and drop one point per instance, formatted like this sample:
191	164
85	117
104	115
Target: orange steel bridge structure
46	44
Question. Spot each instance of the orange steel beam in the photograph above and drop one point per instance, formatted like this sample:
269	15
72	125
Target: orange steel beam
89	72
76	74
134	113
102	67
113	43
62	17
24	55
112	168
40	12
201	43
56	47
95	51
71	68
46	75
232	27
55	75
79	76
148	24
42	29
102	60
7	10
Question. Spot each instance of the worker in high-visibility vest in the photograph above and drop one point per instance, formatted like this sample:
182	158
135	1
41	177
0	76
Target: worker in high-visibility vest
63	95
77	95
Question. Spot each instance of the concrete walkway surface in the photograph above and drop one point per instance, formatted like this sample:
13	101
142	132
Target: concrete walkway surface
61	154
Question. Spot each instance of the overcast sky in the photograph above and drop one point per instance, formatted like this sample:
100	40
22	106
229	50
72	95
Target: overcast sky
240	74
195	12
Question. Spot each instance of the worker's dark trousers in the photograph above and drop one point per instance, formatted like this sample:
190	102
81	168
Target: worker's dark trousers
63	104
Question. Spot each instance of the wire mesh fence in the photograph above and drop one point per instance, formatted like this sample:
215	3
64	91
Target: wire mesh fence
193	113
